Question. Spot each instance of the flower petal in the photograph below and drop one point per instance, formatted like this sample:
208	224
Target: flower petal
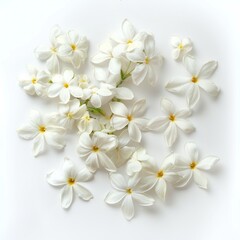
66	196
146	183
139	74
142	200
118	108
209	87
124	93
207	163
149	46
185	125
185	179
53	64
133	167
118	181
114	197
167	106
82	192
158	123
55	140
128	207
100	58
193	95
177	85
54	90
191	150
190	64
106	162
92	162
114	66
175	41
84	175
128	30
207	70
96	101
161	189
139	107
38	145
43	52
27	132
119	122
171	134
56	178
134	132
200	179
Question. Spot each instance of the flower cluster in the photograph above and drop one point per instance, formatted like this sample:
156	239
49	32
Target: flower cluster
107	119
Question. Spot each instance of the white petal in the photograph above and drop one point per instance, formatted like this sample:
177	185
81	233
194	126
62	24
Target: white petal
118	181
43	53
54	90
161	189
104	141
119	123
100	58
128	30
139	74
66	196
92	162
104	92
183	113
167	106
82	192
185	125
123	138
207	163
175	41
76	91
176	53
114	197
124	93
177	85
139	107
209	87
149	46
56	178
133	167
53	64
136	56
158	123
84	175
200	179
128	207
55	140
146	183
85	141
27	132
171	134
114	66
193	95
192	151
142	200
190	65
118	108
96	101
38	144
134	132
106	162
185	179
207	70
76	59
65	50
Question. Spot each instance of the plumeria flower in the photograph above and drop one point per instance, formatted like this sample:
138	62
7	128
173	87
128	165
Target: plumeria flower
36	81
158	177
191	167
87	124
196	81
50	54
180	47
135	164
64	86
43	132
74	48
93	150
108	55
123	151
127	194
130	39
69	113
70	179
131	118
96	95
171	122
148	62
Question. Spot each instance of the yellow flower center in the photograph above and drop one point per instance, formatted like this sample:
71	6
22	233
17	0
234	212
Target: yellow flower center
129	117
54	50
71	181
42	129
34	81
160	174
69	115
147	60
66	85
193	165
129	41
74	47
194	79
95	148
129	191
180	46
172	117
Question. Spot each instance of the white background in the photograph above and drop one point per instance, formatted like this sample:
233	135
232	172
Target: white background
30	208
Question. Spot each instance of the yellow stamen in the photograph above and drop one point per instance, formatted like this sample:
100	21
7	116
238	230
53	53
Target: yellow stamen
34	81
69	115
172	117
129	117
54	50
129	41
147	60
192	165
74	47
129	191
194	79
71	181
95	148
180	46
66	85
42	129
160	174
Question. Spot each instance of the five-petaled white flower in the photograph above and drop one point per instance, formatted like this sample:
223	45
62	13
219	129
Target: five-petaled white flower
131	118
50	54
69	113
180	47
93	150
148	62
35	83
70	179
135	163
87	123
171	121
64	86
197	80
127	193
74	48
157	177
43	132
191	166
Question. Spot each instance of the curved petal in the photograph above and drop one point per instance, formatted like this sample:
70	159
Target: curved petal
128	30
106	162
124	93
171	134
92	162
146	183
184	113
53	64
167	106
114	66
193	95
56	178
190	64
185	179
139	74
207	70
119	123
158	123
76	91
136	56
66	196
114	197
134	132
85	141
128	207
185	125
200	179
149	46
54	90
100	58
133	167
43	52
118	108
161	189
209	87
27	132
142	200
192	151
176	53
207	163
82	192
84	175
139	107
38	145
118	181
96	101
175	41
177	85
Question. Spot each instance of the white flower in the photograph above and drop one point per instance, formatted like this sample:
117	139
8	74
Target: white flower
191	166
43	132
171	121
69	113
131	118
180	47
148	62
36	81
127	194
64	86
50	54
87	124
96	95
70	179
130	40
135	164
157	177
83	81
108	55
74	48
197	80
93	150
